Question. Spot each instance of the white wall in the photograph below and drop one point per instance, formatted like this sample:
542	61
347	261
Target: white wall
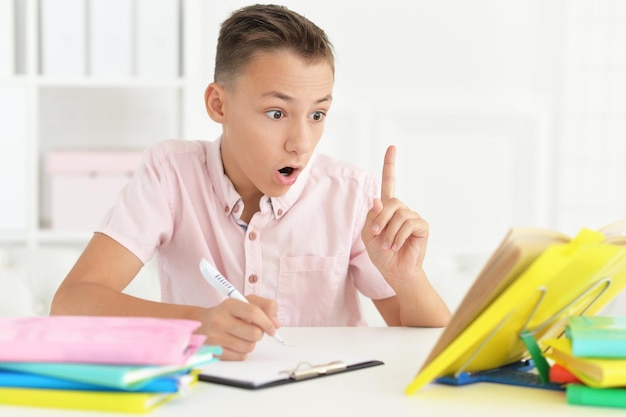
474	95
506	112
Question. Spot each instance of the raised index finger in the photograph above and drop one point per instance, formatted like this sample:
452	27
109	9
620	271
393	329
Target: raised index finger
388	183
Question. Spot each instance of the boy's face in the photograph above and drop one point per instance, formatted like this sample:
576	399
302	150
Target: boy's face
273	117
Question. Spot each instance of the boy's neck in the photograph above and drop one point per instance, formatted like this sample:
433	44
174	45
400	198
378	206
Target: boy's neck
250	206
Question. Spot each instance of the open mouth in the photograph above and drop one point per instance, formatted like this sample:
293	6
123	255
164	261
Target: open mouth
286	171
287	175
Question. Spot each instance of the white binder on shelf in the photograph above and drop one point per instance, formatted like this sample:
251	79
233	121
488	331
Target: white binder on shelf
110	38
7	37
157	38
13	166
63	34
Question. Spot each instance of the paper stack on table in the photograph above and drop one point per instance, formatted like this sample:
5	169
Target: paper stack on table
124	364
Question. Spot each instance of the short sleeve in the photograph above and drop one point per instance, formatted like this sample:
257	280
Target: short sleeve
141	219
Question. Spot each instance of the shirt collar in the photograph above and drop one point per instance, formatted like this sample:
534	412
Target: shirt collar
224	189
229	197
282	204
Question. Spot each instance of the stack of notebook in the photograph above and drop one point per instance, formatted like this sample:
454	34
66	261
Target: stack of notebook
122	364
593	352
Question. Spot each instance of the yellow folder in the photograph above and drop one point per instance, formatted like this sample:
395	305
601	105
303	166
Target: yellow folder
538	289
594	372
126	402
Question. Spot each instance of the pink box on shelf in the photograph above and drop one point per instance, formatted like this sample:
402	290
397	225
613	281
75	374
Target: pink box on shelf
85	184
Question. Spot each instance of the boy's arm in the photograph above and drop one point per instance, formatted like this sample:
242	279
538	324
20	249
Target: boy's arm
396	238
419	306
94	287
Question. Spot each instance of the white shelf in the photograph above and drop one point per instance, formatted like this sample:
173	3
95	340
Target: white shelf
61	237
44	237
16	80
84	111
88	82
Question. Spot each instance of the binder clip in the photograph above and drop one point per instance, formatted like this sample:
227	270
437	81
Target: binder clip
305	370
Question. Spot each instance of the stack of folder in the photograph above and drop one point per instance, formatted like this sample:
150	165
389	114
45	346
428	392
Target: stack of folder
593	352
120	364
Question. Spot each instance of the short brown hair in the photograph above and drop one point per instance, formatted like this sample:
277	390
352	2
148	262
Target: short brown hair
267	28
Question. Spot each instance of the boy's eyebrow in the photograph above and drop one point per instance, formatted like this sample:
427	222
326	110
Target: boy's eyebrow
324	99
286	97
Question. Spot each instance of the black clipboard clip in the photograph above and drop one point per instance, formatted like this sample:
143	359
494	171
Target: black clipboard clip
305	370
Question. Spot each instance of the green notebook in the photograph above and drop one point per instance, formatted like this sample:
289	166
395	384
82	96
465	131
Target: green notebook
114	376
604	397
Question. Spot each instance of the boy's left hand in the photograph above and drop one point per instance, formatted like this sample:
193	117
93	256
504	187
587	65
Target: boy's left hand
395	236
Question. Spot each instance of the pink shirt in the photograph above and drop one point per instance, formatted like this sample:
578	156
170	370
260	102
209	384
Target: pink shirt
303	249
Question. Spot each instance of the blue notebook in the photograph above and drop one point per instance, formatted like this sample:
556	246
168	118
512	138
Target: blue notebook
598	336
166	384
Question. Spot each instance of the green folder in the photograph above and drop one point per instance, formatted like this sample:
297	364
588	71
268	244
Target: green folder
605	397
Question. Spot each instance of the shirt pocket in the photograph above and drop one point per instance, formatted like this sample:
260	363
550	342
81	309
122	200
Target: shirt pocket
311	290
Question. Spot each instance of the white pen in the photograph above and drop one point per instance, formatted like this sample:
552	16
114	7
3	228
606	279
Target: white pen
221	284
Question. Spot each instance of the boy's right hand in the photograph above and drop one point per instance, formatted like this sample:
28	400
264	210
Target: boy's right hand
237	326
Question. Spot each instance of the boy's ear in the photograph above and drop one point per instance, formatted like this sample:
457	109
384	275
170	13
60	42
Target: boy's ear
214	102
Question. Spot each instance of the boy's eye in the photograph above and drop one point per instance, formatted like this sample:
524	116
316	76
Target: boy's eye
318	115
275	114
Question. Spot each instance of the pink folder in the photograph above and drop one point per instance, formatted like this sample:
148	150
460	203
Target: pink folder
98	339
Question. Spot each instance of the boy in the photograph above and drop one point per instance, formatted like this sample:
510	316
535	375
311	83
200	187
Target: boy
297	234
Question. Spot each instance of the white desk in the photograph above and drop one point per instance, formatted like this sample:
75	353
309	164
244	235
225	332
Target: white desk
377	391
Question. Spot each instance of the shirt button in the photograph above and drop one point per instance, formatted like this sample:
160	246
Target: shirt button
252	279
226	209
252	236
280	212
236	208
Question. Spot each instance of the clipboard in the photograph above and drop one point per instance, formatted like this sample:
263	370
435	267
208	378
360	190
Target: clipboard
272	364
574	278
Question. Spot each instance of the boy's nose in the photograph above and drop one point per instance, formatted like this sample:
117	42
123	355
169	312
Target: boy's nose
300	139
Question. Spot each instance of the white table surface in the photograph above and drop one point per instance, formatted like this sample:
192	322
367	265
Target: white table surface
376	391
